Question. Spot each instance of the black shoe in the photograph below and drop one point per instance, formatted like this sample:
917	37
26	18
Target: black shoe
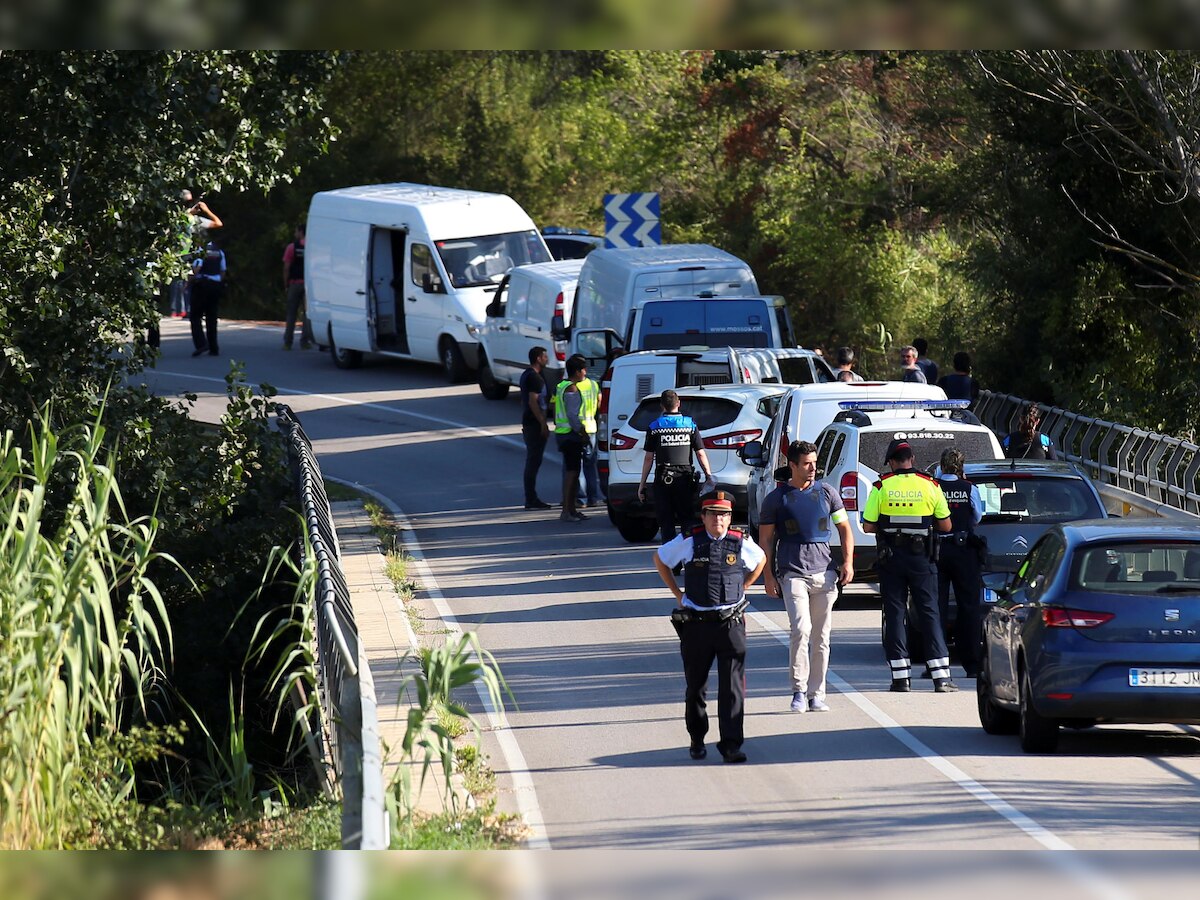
944	686
538	504
697	750
199	352
900	686
733	756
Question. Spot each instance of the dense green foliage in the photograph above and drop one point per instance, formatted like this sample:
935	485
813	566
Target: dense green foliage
887	195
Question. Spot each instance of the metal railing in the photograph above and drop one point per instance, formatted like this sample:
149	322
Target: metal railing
349	718
1127	463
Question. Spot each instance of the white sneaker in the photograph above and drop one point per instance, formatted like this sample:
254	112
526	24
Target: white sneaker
798	701
816	704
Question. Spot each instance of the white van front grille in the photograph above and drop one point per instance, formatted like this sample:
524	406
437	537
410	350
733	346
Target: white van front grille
645	386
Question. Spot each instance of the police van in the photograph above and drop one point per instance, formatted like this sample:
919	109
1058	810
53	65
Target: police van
669	297
407	270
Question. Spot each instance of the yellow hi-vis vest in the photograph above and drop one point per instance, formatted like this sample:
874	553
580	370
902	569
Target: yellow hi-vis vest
562	424
589	393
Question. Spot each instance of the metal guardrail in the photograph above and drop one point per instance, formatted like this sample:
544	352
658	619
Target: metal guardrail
1127	463
349	717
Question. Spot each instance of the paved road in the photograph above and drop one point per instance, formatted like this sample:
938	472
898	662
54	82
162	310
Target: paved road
578	622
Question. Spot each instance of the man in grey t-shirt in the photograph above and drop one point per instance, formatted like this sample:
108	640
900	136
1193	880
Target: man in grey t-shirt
796	522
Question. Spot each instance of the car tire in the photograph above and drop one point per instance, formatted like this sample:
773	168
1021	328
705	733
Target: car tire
634	529
994	718
453	363
1038	733
344	359
488	385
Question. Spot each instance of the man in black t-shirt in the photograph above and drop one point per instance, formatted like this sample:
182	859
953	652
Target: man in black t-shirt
534	428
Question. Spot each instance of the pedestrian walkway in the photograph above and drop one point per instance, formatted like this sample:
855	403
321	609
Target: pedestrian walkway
389	645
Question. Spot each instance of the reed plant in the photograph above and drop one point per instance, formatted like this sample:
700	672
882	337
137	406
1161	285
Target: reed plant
83	630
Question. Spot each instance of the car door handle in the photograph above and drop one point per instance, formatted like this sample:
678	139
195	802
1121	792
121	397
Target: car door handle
412	299
505	328
361	293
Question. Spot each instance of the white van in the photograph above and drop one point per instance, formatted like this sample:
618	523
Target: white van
406	270
518	319
803	413
629	299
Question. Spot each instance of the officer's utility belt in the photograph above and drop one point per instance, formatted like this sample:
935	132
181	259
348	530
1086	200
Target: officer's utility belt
956	538
906	541
668	474
682	615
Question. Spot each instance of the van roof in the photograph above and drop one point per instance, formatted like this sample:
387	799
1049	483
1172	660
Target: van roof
441	208
854	390
558	271
663	256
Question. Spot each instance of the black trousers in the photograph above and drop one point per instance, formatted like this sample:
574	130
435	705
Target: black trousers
206	295
674	504
958	566
535	448
902	573
699	644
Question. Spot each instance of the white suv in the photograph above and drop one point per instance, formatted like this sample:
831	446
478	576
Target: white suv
850	453
727	415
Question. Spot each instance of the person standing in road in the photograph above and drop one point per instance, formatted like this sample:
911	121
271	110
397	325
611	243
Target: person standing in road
719	565
293	286
535	430
208	281
845	363
958	560
671	439
909	370
800	516
590	392
960	385
1028	442
903	510
571	430
928	367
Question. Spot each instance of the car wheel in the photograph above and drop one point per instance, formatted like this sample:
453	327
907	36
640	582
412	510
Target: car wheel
1038	734
343	359
453	363
634	529
488	385
994	719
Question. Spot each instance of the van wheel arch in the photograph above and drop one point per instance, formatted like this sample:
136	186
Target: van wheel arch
453	363
488	385
343	359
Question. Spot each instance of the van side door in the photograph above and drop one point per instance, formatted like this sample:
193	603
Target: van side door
424	299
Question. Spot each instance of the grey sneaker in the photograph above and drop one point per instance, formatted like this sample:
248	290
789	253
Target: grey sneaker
798	701
816	704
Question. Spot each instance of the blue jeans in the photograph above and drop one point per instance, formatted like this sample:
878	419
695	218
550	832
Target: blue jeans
591	477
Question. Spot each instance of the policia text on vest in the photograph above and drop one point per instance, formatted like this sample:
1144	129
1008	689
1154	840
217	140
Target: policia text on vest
904	510
719	564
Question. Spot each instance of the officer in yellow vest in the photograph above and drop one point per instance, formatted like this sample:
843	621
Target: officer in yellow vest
903	511
573	422
589	393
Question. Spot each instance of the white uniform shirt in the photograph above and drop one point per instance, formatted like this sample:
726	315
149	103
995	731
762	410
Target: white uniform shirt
679	550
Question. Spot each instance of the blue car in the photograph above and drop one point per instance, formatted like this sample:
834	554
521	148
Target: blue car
1101	623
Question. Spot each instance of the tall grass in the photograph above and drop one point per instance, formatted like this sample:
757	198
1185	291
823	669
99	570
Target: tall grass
82	629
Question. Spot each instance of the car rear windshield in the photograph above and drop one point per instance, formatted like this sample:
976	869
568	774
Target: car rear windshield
1045	500
708	412
927	445
1149	567
668	325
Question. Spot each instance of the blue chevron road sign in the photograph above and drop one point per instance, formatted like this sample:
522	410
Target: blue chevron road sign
631	220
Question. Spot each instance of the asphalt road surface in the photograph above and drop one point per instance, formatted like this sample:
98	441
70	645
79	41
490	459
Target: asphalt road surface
595	753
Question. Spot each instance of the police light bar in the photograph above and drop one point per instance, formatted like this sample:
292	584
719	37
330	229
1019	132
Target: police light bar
879	405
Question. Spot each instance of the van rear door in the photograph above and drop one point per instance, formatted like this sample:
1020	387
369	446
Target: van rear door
671	324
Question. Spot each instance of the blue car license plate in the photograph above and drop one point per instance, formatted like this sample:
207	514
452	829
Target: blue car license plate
1181	678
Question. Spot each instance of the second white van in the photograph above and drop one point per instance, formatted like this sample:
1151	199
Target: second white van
407	270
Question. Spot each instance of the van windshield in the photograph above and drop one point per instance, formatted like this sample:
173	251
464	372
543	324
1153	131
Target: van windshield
486	259
670	324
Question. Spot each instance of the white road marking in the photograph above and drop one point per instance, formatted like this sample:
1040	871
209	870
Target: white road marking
1070	862
523	787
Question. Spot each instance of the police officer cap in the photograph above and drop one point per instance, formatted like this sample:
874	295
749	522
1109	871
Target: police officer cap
717	500
898	449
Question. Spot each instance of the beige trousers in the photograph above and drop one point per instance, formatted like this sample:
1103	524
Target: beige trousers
809	600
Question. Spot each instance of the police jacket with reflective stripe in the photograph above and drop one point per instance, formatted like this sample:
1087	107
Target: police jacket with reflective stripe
670	437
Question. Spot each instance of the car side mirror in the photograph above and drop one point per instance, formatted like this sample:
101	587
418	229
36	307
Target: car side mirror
495	309
751	453
432	284
558	329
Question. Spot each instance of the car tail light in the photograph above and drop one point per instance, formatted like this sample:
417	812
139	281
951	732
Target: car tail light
602	432
622	442
1074	618
733	440
849	491
746	374
560	352
602	410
